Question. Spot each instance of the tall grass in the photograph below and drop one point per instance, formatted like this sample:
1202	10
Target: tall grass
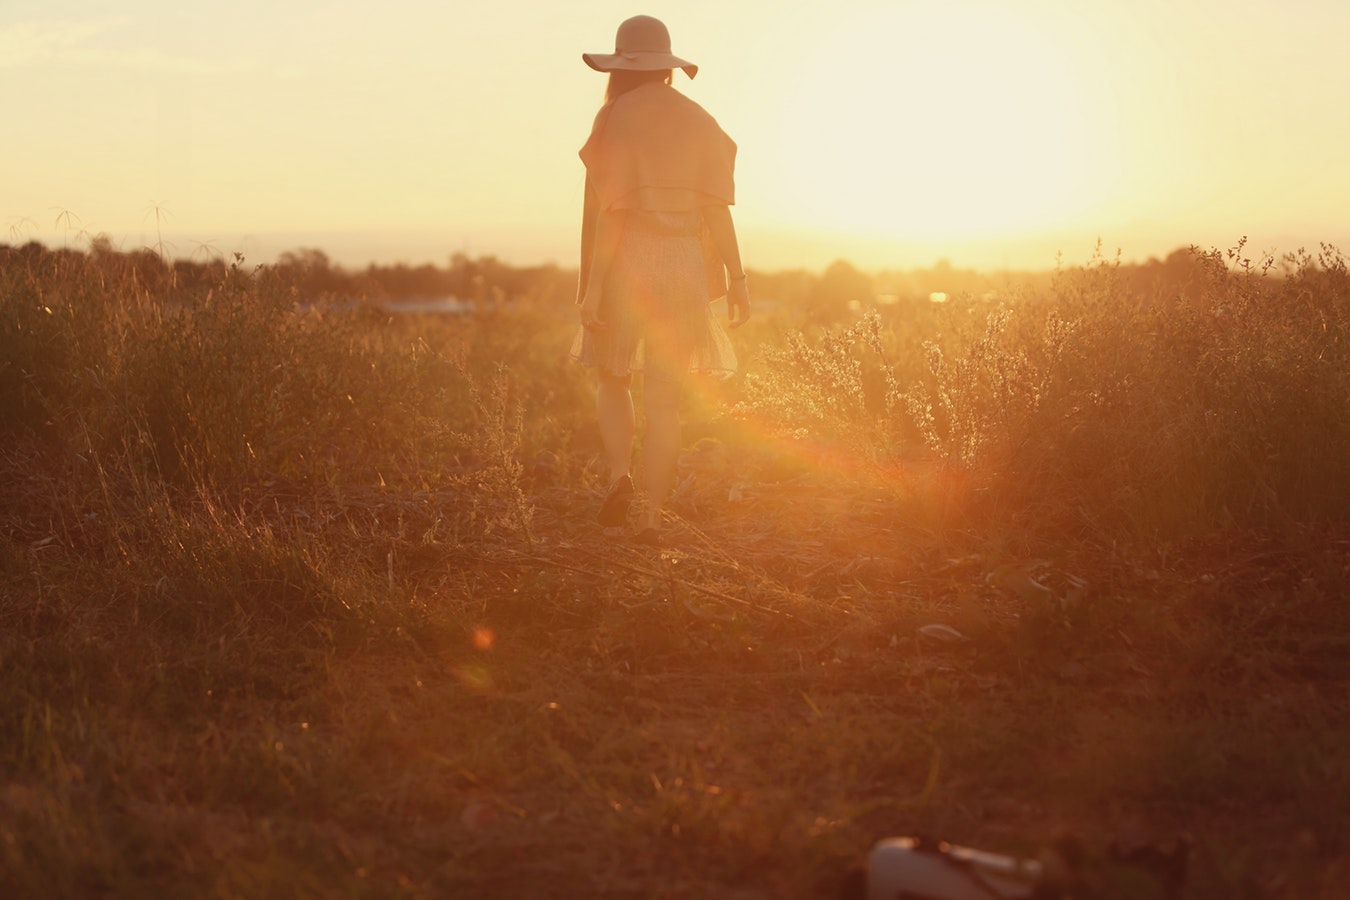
211	496
1219	403
304	598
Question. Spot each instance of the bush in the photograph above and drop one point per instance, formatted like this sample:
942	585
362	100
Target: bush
1221	402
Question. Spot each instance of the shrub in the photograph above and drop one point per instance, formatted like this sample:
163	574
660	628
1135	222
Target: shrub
1220	402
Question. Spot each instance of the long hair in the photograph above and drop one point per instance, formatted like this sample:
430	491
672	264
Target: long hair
621	81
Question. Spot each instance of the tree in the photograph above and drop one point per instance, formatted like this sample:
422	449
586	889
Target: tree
840	286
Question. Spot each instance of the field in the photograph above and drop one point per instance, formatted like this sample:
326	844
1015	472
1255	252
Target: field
307	599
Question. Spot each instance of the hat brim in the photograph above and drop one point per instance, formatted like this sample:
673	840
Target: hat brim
638	62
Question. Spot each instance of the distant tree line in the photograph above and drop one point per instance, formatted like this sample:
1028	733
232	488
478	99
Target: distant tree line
824	298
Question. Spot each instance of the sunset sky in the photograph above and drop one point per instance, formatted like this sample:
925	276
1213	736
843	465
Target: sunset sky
989	133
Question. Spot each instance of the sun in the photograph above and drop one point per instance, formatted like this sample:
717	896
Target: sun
946	120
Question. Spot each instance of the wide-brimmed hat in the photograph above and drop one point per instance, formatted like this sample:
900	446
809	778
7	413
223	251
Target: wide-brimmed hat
641	45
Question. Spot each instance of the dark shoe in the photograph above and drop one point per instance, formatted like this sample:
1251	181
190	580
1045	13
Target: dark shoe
648	536
614	510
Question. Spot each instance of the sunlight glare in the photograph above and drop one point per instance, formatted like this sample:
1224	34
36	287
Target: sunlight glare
483	638
939	119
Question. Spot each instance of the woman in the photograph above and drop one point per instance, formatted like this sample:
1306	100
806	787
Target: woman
657	246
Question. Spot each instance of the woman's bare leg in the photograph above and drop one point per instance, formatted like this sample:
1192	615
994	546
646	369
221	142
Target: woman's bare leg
614	409
661	444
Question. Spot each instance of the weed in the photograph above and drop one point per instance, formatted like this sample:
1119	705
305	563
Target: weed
283	609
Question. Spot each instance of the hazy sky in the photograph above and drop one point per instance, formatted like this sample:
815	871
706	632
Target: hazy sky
889	133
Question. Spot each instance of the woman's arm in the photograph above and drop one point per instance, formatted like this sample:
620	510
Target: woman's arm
588	210
604	244
723	233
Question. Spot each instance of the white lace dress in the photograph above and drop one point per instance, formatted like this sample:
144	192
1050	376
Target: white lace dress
656	304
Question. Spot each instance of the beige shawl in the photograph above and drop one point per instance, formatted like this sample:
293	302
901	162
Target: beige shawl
653	148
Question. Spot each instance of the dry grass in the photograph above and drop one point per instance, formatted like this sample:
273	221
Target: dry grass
311	604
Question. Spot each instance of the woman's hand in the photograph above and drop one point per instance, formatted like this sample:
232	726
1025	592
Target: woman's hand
722	230
590	311
738	302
